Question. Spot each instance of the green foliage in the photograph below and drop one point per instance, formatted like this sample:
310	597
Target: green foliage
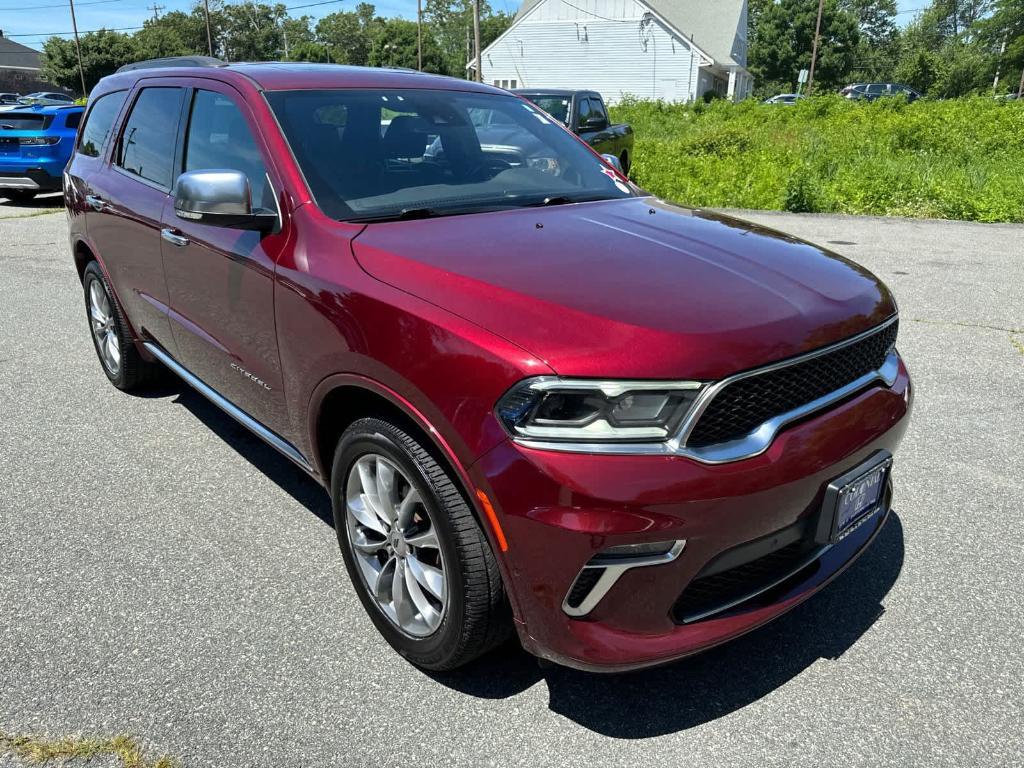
957	159
102	53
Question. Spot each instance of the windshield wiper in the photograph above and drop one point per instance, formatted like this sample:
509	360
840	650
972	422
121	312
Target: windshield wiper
406	214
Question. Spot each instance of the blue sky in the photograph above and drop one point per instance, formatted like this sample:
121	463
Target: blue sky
28	24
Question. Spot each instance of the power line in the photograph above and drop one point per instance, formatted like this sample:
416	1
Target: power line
57	5
44	35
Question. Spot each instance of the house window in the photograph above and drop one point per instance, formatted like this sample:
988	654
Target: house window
505	83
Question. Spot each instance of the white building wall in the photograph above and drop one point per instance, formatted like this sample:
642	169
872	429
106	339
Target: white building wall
579	46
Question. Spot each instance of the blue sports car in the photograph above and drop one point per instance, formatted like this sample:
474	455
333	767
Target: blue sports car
35	145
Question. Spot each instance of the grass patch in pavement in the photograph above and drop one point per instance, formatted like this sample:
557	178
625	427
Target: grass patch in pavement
39	751
30	214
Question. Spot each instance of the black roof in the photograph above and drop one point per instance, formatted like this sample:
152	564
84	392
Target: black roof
16	55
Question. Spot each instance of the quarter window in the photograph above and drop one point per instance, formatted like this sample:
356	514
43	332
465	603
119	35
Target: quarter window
147	142
219	137
99	122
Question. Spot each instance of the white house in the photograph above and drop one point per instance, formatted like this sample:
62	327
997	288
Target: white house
675	50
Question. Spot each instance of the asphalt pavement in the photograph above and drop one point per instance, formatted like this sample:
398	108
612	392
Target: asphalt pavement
166	576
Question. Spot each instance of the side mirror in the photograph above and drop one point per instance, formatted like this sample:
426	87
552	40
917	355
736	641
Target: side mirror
614	162
221	198
594	124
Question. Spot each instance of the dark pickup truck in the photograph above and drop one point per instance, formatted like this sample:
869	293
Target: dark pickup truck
584	113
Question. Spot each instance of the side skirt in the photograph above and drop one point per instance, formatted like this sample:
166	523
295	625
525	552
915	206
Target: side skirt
269	437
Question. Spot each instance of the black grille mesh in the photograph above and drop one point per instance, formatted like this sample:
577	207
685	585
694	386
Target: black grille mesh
581	588
708	592
746	404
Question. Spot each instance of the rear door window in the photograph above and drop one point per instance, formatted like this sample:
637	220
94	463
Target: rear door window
99	123
147	142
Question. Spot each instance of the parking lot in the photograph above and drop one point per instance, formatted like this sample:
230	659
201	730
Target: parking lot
165	575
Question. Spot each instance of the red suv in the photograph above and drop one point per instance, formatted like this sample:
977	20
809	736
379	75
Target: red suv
539	397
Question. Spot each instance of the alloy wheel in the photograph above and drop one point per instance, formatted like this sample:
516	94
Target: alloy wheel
104	330
395	544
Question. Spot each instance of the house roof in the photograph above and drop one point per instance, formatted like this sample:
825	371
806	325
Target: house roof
712	26
16	55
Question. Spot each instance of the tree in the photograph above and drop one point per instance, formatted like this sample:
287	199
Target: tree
394	45
450	24
308	51
102	53
878	49
253	32
781	45
349	34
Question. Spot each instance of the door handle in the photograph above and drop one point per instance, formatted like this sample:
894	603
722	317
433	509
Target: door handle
173	237
95	202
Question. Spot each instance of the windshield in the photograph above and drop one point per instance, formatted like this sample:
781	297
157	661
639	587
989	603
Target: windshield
556	106
374	155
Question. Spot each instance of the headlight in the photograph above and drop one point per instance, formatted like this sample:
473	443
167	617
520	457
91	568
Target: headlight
547	408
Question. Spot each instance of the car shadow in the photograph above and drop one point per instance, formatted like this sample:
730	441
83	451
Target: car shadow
45	200
707	686
651	702
276	467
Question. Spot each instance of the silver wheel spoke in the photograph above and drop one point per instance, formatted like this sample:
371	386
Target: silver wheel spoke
371	491
359	509
404	609
365	544
430	577
386	490
424	539
423	606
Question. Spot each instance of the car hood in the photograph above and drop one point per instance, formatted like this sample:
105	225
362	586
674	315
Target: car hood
630	288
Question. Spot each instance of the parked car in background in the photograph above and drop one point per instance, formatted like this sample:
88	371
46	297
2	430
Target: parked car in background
585	114
46	97
872	91
784	98
35	144
9	98
541	400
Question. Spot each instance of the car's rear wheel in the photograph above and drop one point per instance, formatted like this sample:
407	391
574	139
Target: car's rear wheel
17	195
111	336
416	555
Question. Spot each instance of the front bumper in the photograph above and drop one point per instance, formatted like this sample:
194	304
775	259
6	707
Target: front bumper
559	510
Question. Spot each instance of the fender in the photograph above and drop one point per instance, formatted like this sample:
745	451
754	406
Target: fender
136	338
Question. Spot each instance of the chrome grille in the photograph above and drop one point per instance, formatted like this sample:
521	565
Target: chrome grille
742	406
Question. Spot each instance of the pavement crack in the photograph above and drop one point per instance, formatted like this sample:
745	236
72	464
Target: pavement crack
960	324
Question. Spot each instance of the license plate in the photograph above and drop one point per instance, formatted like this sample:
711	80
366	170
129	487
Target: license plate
853	498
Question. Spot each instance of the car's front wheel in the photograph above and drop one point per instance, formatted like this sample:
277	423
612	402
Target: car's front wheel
415	553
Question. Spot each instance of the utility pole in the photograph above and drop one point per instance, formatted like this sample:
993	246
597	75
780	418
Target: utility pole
209	37
78	46
1020	88
476	41
156	11
814	51
419	35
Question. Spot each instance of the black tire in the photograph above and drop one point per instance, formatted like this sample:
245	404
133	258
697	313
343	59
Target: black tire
477	617
133	373
18	195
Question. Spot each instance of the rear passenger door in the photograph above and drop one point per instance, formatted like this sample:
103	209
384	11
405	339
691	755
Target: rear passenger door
221	280
125	203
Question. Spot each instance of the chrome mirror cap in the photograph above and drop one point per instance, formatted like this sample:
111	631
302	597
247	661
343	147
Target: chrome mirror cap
220	197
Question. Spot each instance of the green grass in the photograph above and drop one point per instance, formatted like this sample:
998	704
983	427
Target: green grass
958	159
41	751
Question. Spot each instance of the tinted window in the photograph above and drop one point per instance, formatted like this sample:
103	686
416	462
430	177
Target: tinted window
99	123
556	106
597	108
73	120
876	88
585	111
218	137
147	142
434	153
24	121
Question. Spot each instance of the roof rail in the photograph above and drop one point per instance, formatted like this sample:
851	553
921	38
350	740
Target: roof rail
174	61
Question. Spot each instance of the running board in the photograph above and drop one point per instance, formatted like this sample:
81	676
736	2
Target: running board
272	439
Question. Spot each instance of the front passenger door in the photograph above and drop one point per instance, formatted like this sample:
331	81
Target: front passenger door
221	280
